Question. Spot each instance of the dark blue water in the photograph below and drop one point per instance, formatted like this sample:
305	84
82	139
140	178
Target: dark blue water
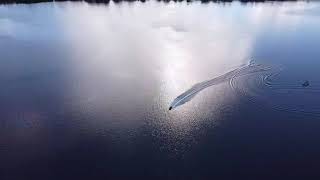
85	91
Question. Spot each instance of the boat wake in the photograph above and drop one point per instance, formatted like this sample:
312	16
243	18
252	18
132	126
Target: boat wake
259	84
195	89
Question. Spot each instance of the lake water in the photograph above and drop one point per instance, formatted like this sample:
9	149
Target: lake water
85	91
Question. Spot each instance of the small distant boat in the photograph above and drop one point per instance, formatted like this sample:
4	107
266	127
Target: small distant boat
305	84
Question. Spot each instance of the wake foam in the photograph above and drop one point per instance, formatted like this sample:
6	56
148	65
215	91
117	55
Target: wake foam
259	84
194	90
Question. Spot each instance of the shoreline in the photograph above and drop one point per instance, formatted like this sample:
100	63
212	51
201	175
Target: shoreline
119	1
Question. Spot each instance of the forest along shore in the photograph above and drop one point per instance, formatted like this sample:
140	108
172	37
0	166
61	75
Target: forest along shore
116	1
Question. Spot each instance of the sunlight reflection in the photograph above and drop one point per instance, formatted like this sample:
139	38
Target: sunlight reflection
155	51
124	63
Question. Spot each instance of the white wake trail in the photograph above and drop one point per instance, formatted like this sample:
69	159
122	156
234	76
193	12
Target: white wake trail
195	89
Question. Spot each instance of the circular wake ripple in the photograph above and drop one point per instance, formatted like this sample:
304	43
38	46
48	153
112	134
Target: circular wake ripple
263	90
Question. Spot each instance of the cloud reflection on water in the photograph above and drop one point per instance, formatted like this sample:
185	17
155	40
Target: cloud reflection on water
126	62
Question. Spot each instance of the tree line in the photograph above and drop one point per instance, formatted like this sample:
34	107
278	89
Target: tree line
118	1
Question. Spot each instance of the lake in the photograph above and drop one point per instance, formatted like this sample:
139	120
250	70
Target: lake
86	90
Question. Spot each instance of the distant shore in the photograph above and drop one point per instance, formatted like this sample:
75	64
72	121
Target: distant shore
117	1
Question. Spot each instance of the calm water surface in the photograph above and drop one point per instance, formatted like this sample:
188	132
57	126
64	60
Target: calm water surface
85	91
